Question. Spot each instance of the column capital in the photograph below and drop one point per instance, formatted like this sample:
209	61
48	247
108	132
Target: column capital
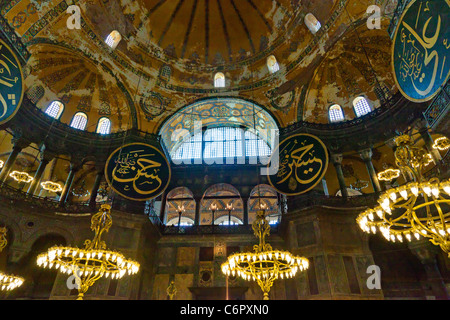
19	143
366	154
336	158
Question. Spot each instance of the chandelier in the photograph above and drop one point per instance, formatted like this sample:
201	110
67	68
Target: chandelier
7	282
388	174
21	176
264	265
417	209
442	143
94	261
51	186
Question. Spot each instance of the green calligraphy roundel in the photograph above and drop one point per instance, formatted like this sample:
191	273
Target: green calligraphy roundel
11	83
138	171
421	49
302	162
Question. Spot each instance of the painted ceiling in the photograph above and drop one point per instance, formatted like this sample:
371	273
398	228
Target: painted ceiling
171	49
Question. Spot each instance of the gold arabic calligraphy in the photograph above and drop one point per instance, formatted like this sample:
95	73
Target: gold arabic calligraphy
418	51
300	158
143	171
8	80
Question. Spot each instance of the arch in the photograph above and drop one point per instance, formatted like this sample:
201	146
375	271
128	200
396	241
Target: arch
220	195
113	39
216	112
225	220
79	121
55	109
104	126
335	113
180	197
312	23
219	80
272	64
263	196
361	106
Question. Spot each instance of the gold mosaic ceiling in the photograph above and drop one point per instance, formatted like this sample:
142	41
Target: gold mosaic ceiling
171	50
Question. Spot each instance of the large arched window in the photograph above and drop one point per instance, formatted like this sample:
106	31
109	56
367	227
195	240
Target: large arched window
113	39
223	144
272	64
312	23
335	113
55	109
361	106
219	80
79	121
104	126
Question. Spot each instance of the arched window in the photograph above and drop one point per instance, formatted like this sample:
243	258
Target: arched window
361	106
272	64
55	109
104	126
312	23
219	80
79	121
335	113
184	221
222	143
113	39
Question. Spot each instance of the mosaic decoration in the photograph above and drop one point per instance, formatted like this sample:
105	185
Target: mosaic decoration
421	49
138	171
11	83
303	162
154	104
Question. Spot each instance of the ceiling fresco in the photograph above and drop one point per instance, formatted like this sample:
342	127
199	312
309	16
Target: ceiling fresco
171	49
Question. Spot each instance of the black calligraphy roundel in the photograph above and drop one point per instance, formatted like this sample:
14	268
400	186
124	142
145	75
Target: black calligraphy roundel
138	171
11	83
421	49
302	161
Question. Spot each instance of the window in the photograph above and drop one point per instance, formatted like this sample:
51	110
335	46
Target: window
361	106
185	222
312	23
335	113
104	126
272	64
79	121
219	80
222	142
113	39
55	109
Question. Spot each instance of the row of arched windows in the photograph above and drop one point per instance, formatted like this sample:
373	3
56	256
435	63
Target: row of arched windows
79	120
360	106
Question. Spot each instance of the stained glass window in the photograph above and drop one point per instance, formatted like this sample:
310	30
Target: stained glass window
104	126
335	113
79	121
361	106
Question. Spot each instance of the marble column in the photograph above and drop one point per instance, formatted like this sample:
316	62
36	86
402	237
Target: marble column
74	168
337	162
96	186
162	211
18	145
426	136
245	208
44	157
366	156
198	201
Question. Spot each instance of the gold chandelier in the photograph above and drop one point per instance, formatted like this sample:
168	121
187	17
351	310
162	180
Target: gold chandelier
7	282
264	265
94	261
417	209
21	176
388	174
442	143
51	186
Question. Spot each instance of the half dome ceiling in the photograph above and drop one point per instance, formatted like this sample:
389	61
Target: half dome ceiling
170	50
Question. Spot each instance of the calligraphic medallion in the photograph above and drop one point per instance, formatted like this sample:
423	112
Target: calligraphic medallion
421	49
303	161
138	171
11	83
